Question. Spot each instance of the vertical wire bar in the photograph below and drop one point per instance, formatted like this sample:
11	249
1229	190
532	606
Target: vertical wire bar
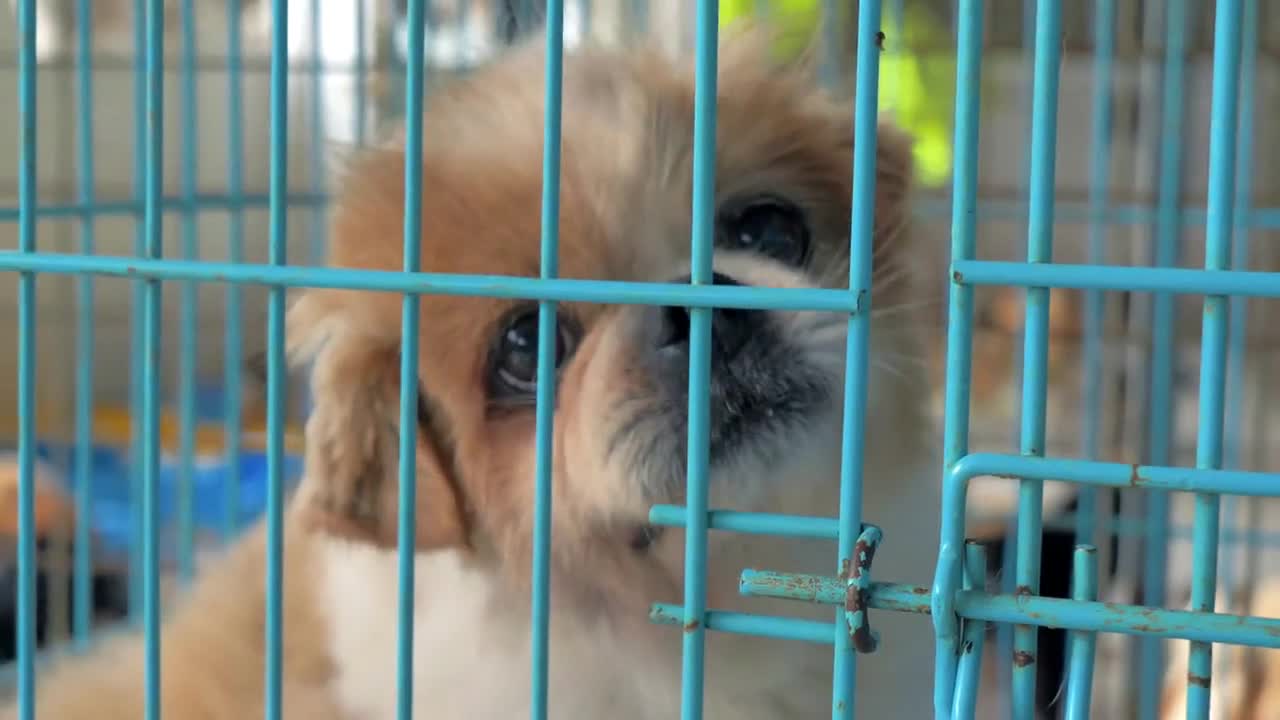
1240	244
1213	348
407	511
1029	11
861	234
1083	645
188	357
1044	133
964	225
1104	36
702	237
975	631
317	136
1104	33
1168	241
233	383
362	72
136	326
152	314
82	590
1237	335
1008	583
26	630
547	336
1012	548
276	380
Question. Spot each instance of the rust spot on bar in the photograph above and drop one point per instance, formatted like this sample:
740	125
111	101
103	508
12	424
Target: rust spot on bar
1022	659
1134	479
1201	680
691	626
856	574
920	590
957	277
1023	591
880	40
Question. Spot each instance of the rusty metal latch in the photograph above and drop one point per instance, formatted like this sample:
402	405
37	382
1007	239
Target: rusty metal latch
857	605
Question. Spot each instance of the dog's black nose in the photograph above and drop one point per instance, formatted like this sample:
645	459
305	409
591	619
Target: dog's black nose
731	328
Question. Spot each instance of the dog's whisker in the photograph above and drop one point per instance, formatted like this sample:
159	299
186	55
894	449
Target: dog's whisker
824	335
891	277
912	328
891	369
881	313
905	359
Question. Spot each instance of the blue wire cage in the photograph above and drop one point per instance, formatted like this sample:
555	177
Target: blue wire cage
1128	505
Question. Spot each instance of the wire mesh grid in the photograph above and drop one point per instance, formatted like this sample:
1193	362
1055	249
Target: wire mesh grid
1141	377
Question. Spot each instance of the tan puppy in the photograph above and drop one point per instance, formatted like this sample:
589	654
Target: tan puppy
784	174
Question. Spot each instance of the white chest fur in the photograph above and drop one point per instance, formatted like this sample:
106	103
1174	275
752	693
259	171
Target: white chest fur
470	665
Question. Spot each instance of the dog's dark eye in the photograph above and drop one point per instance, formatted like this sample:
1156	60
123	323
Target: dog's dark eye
769	226
515	357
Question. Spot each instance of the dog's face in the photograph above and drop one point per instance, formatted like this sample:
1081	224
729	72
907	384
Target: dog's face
782	218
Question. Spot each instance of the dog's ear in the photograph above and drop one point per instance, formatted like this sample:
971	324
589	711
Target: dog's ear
351	480
767	53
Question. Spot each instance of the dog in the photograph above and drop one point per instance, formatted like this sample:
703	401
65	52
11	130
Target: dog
777	381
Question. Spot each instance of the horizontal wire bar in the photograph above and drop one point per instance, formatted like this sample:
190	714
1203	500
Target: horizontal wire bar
777	628
1061	613
1079	212
172	203
1117	475
1065	213
107	63
1058	613
1087	277
498	286
1113	277
821	528
751	523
